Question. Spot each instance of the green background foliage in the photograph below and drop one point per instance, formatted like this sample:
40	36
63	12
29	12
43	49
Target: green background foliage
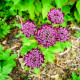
6	63
35	10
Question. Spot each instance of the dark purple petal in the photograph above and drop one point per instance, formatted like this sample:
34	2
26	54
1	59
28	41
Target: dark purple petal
34	58
63	34
55	16
46	35
28	28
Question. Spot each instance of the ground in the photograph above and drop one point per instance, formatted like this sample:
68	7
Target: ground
64	64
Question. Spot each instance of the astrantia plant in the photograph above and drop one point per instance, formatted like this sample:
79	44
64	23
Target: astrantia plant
28	28
39	49
46	35
34	58
56	16
63	34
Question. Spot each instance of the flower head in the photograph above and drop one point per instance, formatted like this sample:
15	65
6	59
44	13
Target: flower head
56	16
46	35
63	34
34	58
28	28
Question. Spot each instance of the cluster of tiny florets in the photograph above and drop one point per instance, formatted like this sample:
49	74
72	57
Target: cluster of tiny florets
63	34
56	16
34	58
28	28
46	35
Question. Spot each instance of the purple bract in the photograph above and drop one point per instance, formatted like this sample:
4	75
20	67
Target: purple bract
34	58
28	28
56	16
46	35
63	34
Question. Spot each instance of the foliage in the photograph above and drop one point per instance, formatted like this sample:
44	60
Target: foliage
77	34
36	10
6	63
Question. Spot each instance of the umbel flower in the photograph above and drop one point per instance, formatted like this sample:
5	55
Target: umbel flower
63	34
56	16
34	58
28	28
46	35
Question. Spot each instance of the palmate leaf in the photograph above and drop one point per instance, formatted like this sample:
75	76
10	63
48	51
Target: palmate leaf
28	44
38	8
36	70
66	9
4	30
31	9
46	7
6	63
24	5
78	6
77	34
16	2
74	76
77	16
60	3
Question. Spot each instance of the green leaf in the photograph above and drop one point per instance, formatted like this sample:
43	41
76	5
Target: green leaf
68	18
74	53
18	25
43	64
13	56
67	44
20	34
36	70
77	34
72	2
46	1
74	76
46	9
60	3
24	5
78	6
27	68
6	69
77	16
79	69
59	46
79	77
6	55
38	6
66	9
5	77
64	24
31	9
16	2
50	57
